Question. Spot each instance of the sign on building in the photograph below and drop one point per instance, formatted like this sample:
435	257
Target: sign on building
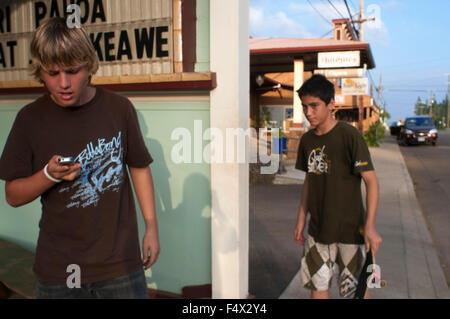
340	59
131	37
341	73
355	86
339	99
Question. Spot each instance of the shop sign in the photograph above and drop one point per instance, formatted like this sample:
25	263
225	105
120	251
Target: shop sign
130	37
341	59
341	73
355	86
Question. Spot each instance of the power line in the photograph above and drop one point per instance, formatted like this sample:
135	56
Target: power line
327	33
371	79
353	5
351	19
410	90
379	89
318	12
411	85
417	61
336	9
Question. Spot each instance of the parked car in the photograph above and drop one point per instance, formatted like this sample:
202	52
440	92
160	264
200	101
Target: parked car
418	129
395	128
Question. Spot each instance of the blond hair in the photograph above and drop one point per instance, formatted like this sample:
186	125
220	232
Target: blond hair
54	43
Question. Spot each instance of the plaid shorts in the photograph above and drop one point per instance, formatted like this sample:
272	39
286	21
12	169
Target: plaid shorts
319	260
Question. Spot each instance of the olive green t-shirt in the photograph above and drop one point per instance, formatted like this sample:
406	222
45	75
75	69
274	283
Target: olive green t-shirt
333	162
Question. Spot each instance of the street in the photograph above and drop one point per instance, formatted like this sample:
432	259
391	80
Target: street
411	256
274	255
430	171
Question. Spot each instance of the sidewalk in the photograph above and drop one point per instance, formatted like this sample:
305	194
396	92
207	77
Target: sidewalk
407	257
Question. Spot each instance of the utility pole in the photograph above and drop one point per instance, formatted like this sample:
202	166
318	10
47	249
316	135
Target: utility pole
431	103
448	100
362	20
379	89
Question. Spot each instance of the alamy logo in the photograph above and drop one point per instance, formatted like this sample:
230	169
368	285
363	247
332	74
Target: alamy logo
74	279
374	280
232	145
73	20
318	162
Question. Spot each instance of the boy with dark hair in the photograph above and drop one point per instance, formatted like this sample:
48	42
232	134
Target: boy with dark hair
335	157
88	212
318	86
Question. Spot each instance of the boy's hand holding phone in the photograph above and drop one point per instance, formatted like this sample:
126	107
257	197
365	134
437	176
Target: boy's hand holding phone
63	168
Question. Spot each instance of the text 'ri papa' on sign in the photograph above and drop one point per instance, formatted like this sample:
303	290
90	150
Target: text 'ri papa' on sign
131	37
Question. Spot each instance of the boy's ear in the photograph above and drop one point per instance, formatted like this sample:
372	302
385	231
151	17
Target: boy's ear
331	104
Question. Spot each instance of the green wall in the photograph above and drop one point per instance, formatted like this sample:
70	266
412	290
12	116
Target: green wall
19	225
182	196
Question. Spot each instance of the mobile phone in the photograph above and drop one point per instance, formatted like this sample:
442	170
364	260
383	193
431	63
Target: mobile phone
65	161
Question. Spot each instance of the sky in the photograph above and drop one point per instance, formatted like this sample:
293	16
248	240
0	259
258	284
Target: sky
409	39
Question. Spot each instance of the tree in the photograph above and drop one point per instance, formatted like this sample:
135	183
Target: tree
421	108
384	115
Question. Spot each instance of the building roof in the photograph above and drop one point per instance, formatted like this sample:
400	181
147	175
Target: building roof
264	45
279	47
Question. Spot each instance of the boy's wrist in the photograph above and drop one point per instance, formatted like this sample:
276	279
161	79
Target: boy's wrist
301	219
150	223
50	177
369	225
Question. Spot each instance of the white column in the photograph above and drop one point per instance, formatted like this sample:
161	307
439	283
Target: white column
298	81
230	108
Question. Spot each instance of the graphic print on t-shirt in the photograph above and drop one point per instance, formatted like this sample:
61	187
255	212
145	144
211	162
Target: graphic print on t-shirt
318	162
102	170
360	164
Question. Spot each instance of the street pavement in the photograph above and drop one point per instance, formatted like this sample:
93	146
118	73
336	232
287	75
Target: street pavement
407	256
429	169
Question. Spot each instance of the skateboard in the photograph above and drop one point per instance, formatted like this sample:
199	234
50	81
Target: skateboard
16	274
369	274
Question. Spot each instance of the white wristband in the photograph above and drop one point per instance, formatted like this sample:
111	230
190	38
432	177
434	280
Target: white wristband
49	177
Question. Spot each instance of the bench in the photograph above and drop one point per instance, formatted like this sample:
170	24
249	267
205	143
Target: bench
16	271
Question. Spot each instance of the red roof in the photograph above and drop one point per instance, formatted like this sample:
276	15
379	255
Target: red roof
266	45
297	45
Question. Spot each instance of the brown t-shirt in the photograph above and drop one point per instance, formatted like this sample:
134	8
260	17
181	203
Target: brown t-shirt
333	162
91	221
